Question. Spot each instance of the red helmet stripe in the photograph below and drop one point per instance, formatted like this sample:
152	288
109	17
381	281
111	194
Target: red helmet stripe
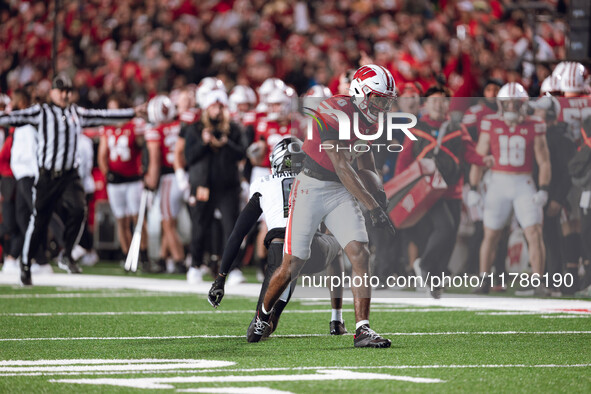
364	72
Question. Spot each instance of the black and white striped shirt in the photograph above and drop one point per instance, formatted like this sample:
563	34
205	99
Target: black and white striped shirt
58	129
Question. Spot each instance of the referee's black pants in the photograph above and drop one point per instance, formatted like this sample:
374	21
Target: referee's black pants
49	193
9	232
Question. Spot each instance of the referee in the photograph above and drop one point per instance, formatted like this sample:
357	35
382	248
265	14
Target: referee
59	124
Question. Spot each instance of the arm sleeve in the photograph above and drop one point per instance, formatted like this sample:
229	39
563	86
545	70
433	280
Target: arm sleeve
248	218
22	117
98	117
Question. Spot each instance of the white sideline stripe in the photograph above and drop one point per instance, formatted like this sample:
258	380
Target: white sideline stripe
565	316
212	312
90	295
508	313
452	366
532	313
294	335
387	297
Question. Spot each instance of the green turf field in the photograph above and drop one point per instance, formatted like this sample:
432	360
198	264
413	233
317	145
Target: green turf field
120	340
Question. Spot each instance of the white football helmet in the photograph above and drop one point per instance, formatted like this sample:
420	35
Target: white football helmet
560	67
241	94
160	110
206	85
280	97
512	98
319	91
373	90
214	96
573	78
550	86
268	86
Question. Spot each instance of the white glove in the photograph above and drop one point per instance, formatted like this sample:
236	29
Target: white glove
182	179
540	198
473	198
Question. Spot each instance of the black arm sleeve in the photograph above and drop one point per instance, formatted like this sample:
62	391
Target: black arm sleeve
247	219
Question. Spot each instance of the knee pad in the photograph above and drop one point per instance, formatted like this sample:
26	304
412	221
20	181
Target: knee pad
572	248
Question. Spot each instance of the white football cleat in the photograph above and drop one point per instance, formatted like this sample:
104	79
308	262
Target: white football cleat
194	275
235	277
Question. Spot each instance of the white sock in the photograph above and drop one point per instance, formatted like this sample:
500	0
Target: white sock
263	309
360	323
337	314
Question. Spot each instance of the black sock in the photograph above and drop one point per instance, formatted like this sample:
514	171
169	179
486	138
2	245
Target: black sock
143	255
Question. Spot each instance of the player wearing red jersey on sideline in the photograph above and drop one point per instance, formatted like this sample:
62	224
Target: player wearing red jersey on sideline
515	141
329	190
161	141
119	159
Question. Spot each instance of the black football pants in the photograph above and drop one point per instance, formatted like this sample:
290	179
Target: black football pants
49	193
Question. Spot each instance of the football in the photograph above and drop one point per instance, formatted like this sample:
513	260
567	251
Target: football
371	181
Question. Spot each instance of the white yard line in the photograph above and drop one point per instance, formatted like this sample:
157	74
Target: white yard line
292	335
279	369
319	375
214	312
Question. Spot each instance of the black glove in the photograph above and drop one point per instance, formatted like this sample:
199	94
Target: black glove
380	219
381	199
216	293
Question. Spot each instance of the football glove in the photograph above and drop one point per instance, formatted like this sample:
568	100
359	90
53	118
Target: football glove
472	198
216	293
380	219
182	179
381	199
540	198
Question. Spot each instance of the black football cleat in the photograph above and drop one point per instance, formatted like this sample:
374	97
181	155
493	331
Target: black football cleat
26	275
437	292
69	265
366	337
259	327
180	267
337	327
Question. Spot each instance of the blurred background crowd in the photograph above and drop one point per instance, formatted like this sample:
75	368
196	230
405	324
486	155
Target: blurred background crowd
210	57
139	48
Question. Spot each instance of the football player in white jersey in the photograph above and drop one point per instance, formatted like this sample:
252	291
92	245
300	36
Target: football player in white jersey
270	195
